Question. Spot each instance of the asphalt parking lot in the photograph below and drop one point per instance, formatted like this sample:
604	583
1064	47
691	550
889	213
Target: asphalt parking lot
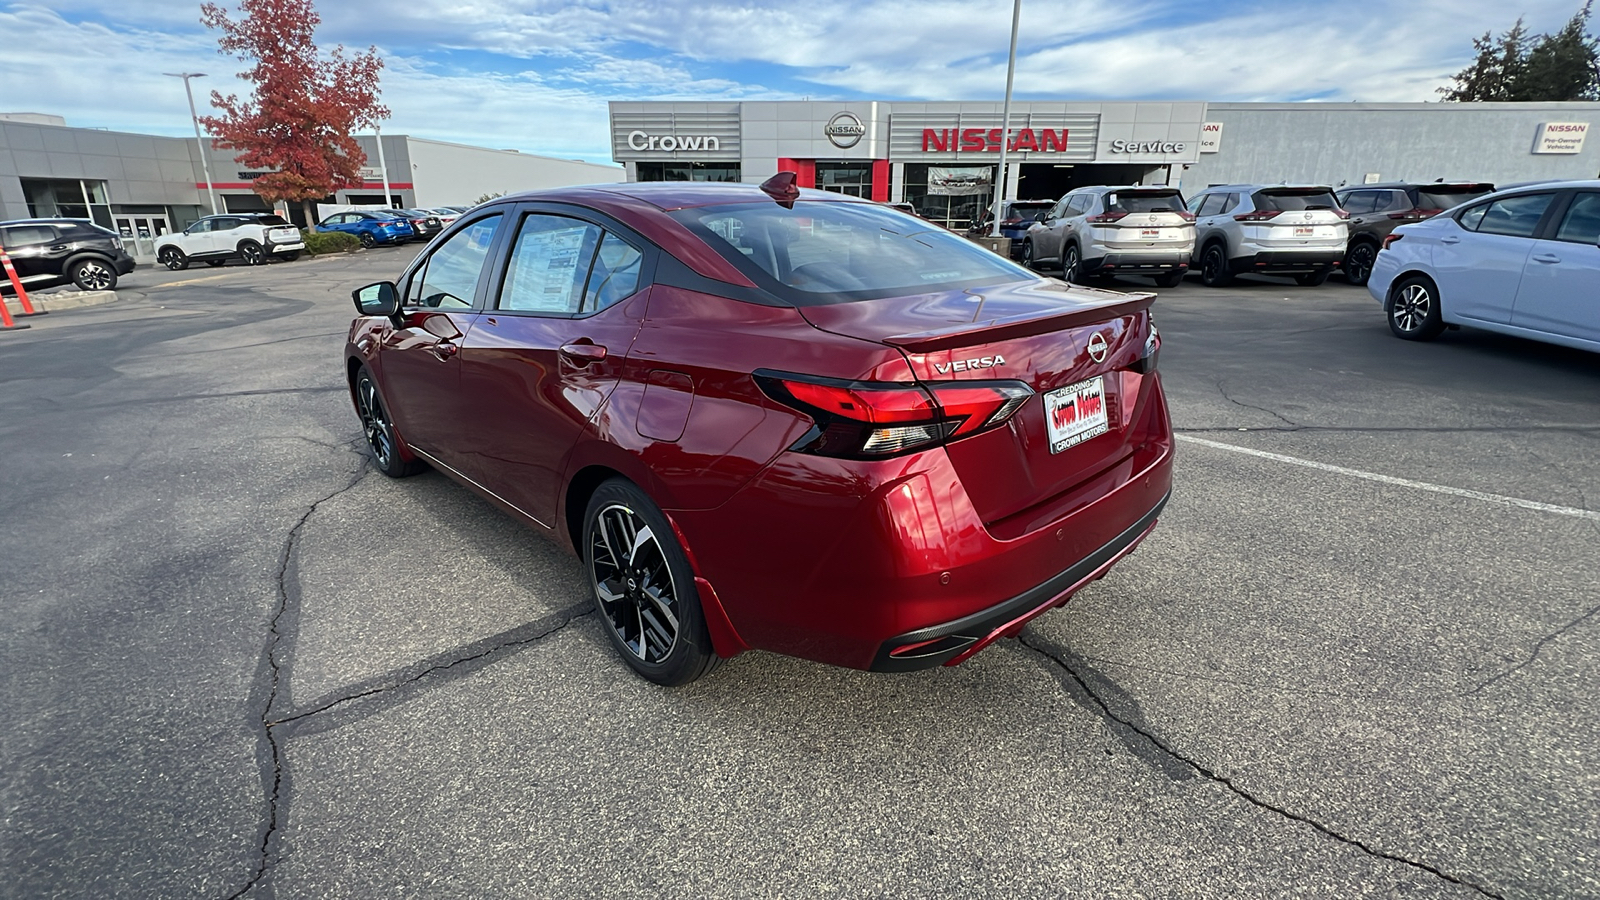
1357	658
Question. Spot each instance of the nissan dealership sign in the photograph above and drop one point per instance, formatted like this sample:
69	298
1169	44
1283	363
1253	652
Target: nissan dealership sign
1561	137
643	140
845	130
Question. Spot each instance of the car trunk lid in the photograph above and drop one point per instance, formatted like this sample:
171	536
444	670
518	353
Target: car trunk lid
1078	350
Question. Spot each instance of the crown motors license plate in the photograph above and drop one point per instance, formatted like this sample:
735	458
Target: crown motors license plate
1075	413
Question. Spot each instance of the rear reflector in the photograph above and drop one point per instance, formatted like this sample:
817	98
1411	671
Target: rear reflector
1390	239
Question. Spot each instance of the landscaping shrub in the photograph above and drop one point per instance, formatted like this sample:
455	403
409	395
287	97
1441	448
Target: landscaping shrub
320	242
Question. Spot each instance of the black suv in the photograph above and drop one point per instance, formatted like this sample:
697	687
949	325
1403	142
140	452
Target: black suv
1377	209
50	252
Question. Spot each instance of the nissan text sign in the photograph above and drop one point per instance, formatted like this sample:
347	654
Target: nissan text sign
1560	137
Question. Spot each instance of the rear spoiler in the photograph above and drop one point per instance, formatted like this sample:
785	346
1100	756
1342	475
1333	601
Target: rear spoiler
1025	325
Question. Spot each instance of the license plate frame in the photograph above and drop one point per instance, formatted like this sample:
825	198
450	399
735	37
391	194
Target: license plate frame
1076	413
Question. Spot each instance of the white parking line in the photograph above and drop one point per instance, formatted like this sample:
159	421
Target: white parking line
1402	482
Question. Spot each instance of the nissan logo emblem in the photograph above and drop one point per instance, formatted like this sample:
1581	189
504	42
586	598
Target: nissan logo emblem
844	130
1097	347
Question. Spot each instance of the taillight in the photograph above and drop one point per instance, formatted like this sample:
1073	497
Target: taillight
1260	215
1010	221
875	420
1415	215
1341	213
1146	363
1185	215
1389	239
1106	218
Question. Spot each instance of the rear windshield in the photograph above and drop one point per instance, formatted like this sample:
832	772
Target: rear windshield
271	220
1124	201
1029	210
824	252
1447	197
1289	201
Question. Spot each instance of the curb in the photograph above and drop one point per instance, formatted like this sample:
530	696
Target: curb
63	300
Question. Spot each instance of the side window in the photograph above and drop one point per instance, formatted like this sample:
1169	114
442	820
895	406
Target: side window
1358	202
201	227
227	224
1514	216
1060	210
615	275
1229	203
1211	205
1389	201
26	235
448	279
1582	222
549	265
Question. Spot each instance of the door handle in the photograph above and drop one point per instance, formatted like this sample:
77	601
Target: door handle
1450	239
582	353
443	350
1546	258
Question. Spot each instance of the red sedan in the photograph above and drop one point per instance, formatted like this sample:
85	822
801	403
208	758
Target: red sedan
772	418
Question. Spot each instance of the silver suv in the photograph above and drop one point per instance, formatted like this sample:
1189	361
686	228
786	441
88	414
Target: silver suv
1276	229
1108	231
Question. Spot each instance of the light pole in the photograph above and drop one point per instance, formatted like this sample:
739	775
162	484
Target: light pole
383	169
205	164
1005	121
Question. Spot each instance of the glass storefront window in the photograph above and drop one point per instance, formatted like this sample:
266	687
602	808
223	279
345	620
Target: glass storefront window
67	198
956	211
688	171
853	178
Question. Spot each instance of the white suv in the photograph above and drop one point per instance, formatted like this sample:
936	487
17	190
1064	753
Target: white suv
252	237
1278	229
1106	231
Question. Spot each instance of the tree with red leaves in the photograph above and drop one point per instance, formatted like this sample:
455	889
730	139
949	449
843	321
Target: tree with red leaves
297	126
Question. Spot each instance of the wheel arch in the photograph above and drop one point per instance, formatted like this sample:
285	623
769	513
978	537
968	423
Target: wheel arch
1405	275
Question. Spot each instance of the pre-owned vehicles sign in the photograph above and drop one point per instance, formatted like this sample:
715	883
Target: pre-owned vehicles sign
1560	137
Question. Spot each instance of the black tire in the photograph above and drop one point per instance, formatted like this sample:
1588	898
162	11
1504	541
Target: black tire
291	256
1071	268
1169	279
1311	279
173	258
1358	259
368	241
252	254
387	447
1214	270
93	274
213	263
1414	309
1028	262
643	587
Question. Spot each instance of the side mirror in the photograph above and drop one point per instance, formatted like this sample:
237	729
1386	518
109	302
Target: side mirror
1042	217
381	299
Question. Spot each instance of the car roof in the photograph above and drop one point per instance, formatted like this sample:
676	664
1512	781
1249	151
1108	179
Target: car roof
669	195
1402	185
1547	185
41	221
1257	187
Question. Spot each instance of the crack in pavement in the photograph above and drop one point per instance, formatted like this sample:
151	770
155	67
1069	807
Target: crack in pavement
1282	418
1053	654
1537	649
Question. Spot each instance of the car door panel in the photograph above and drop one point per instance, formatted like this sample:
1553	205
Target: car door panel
538	367
1480	258
1560	289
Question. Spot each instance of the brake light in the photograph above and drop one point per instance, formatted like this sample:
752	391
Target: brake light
1415	215
1185	215
1390	239
1341	213
1260	215
875	420
1106	218
1146	363
1010	221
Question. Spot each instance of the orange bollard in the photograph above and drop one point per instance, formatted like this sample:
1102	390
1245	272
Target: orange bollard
6	322
22	294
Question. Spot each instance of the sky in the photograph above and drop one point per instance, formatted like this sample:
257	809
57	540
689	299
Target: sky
535	75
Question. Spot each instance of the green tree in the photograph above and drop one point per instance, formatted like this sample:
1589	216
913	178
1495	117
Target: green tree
1517	67
297	125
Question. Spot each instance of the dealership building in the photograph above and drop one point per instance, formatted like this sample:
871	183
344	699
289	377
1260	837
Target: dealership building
943	157
144	185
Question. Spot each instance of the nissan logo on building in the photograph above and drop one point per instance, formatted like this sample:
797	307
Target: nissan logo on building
845	130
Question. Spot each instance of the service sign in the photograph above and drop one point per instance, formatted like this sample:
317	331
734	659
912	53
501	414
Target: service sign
1561	137
1211	137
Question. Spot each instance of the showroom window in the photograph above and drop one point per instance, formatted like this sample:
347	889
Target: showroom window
853	178
687	171
952	196
67	198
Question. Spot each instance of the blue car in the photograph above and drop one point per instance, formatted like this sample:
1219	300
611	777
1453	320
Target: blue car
372	227
1524	262
1019	217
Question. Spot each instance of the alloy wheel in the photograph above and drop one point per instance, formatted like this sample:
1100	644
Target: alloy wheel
1411	307
1069	265
252	255
1027	255
1358	266
633	581
375	422
93	276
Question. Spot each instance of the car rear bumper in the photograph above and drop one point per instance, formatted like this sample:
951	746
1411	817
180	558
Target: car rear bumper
951	642
286	248
851	563
124	263
1133	261
1309	260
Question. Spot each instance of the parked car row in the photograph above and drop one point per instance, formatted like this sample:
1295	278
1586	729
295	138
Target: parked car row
1305	231
391	226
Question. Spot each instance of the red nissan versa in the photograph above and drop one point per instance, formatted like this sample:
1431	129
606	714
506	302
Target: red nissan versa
772	418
